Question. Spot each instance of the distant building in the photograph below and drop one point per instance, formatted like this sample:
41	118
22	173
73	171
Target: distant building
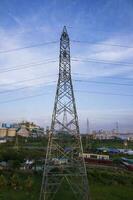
24	129
10	125
126	136
5	125
35	130
3	132
23	132
29	125
11	132
7	132
104	135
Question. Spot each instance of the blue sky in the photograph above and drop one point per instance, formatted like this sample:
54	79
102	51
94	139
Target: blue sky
29	22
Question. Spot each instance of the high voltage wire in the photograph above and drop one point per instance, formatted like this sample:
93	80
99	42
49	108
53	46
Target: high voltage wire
74	59
103	82
104	93
101	44
27	66
27	80
23	98
76	80
41	77
80	91
27	47
102	62
107	77
25	87
54	42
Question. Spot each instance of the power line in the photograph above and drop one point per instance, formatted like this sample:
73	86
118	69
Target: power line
103	82
25	87
76	80
23	98
28	66
75	59
107	77
54	42
101	61
104	93
26	80
101	43
25	64
80	91
27	47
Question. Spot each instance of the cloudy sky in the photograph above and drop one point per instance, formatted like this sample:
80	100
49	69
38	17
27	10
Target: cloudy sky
29	50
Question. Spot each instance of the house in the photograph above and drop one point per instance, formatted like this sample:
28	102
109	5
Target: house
23	132
3	132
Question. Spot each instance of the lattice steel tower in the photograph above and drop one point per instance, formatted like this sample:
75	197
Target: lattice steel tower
64	170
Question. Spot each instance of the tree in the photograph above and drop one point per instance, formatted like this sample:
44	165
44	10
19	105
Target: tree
16	164
15	182
3	181
29	183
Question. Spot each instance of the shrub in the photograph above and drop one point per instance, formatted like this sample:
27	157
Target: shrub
15	182
3	181
29	183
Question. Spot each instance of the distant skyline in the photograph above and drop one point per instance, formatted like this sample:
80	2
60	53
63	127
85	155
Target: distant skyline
105	27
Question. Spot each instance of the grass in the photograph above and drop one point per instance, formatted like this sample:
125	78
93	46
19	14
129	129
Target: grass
105	184
21	192
111	192
98	192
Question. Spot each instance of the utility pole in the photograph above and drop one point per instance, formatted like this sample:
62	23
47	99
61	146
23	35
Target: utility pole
64	163
16	141
88	127
117	128
87	133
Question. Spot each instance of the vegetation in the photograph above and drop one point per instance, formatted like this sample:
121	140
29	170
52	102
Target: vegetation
116	143
105	184
3	182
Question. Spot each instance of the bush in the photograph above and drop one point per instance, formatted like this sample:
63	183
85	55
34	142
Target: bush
3	181
15	182
29	183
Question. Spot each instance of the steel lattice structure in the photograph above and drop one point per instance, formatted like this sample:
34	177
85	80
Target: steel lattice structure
64	158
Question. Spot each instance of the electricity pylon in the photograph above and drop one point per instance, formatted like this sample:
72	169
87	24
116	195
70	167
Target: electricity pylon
117	128
88	127
64	163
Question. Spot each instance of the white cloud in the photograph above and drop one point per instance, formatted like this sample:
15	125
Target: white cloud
112	53
105	53
31	55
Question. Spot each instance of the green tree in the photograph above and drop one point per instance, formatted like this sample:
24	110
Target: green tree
15	182
3	181
29	183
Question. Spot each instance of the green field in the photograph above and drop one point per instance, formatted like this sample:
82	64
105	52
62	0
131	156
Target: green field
105	184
